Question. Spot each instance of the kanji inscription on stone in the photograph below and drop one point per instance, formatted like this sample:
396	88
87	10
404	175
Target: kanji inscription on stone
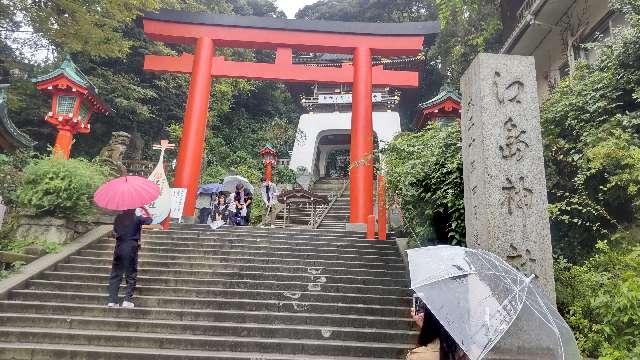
505	191
514	144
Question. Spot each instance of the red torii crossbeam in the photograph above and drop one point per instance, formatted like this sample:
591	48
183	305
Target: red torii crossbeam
362	40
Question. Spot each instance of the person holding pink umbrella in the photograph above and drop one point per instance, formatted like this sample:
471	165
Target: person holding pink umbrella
126	193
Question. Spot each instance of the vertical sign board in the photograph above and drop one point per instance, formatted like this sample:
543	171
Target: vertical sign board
178	197
505	194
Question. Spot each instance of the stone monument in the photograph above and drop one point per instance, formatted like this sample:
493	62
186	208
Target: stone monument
505	194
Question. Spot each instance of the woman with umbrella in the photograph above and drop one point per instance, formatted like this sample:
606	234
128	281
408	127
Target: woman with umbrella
434	342
126	194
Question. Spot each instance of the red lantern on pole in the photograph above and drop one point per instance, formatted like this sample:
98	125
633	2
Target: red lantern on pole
73	100
269	159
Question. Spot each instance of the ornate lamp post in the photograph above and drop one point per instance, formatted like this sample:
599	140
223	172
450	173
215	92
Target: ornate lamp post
269	158
73	100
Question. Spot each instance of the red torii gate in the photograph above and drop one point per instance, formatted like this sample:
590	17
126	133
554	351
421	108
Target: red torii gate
363	40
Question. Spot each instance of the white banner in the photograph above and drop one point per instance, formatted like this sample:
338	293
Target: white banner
160	208
344	98
178	196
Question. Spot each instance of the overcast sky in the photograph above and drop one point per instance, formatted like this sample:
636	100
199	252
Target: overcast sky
290	7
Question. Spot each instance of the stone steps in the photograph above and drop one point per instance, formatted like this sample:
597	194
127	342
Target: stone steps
205	328
28	351
233	293
234	284
200	342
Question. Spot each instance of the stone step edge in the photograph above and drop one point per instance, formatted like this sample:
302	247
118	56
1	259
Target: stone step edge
369	253
373	249
399	298
105	254
127	334
193	354
106	270
205	323
177	298
371	244
206	311
324	268
283	283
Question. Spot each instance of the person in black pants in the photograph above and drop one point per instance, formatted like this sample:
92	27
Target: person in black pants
127	228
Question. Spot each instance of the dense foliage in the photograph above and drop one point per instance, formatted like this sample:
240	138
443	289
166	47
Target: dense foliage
147	104
54	187
284	175
11	175
600	302
592	145
424	174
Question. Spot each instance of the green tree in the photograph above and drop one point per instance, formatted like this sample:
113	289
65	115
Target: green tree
592	145
424	174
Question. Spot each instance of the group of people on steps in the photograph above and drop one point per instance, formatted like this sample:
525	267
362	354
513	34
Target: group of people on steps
434	342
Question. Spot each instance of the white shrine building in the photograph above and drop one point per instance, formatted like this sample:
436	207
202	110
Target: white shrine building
325	129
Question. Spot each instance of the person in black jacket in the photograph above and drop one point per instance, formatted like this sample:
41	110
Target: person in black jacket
127	227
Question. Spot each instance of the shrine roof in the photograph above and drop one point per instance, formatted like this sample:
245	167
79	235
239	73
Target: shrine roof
70	70
445	92
428	29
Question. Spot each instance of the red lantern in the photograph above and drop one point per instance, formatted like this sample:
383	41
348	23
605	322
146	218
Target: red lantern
73	100
269	159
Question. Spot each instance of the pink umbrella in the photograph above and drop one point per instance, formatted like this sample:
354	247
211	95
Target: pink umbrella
127	192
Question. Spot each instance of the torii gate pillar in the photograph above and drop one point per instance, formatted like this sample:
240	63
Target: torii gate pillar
361	168
195	125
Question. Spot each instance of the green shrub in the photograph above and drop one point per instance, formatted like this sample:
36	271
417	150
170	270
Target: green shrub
424	174
54	187
284	175
11	174
600	300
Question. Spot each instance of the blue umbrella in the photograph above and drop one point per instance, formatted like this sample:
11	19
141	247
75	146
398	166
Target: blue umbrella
210	189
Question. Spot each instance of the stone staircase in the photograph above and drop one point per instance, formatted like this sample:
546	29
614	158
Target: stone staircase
338	216
234	293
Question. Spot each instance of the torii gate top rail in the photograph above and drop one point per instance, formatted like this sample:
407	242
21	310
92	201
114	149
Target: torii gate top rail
284	35
362	40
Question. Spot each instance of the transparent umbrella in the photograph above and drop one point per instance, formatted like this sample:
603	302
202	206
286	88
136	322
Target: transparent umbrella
491	309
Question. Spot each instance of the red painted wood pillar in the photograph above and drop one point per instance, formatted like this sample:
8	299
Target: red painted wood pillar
382	209
268	171
62	147
361	169
371	227
189	160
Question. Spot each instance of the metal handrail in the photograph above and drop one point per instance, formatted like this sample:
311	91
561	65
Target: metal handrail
326	211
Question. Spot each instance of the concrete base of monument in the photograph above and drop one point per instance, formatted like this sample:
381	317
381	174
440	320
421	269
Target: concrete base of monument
359	227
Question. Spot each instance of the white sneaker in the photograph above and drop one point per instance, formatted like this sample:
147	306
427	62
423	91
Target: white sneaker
273	226
128	305
112	305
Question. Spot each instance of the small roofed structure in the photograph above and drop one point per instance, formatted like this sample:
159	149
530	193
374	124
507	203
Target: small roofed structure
11	138
444	108
73	100
300	197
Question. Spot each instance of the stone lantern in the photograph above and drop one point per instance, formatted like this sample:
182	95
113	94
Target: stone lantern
73	100
269	158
